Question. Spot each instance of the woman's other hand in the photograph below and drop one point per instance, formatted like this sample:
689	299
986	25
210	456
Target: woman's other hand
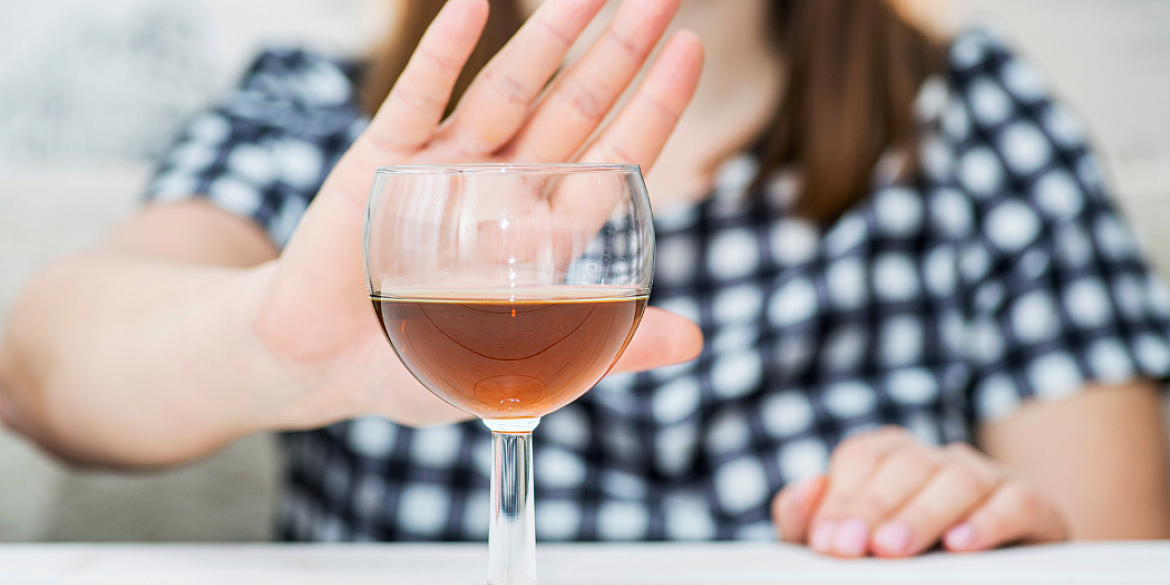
890	496
313	314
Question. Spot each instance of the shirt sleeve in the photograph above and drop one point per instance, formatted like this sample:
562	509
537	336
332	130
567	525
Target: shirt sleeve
263	152
1057	295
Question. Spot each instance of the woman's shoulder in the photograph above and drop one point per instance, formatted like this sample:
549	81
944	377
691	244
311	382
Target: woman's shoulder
301	77
285	94
989	87
978	46
996	132
263	149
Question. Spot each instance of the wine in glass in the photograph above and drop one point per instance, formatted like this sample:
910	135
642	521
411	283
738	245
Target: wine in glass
509	291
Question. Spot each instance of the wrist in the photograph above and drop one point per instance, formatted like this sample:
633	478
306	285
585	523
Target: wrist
269	384
286	389
227	387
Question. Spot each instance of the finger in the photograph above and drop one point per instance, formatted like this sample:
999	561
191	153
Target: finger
897	478
637	135
661	339
949	496
581	98
500	97
408	117
851	464
1014	513
792	508
640	131
323	253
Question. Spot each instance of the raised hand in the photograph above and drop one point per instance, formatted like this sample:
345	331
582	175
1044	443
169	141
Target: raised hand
888	495
314	316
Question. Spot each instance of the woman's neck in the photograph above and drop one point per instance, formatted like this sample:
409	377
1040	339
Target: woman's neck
737	96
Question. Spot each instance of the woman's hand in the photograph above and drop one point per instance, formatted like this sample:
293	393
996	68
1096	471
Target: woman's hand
890	496
312	312
191	334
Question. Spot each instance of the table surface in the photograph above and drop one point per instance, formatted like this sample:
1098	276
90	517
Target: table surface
631	564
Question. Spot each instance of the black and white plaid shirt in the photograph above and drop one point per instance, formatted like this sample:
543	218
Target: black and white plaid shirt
999	275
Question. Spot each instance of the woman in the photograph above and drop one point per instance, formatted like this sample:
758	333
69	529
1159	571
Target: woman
898	250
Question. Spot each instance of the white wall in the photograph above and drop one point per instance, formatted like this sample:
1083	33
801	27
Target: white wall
90	89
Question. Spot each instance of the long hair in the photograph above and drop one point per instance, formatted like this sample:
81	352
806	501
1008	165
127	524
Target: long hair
853	69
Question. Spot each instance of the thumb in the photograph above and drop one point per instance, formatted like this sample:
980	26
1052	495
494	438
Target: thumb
793	507
662	339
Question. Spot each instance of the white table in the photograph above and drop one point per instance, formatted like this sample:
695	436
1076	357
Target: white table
669	564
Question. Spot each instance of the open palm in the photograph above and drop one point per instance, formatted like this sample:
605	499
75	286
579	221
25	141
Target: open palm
316	316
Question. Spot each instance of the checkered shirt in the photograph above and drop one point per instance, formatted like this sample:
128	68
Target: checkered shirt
1000	273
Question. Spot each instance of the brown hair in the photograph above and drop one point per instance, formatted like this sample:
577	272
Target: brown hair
853	68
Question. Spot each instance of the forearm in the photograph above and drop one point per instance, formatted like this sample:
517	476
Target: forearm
114	360
1099	455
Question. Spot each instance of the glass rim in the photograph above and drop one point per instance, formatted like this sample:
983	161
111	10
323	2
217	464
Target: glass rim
509	168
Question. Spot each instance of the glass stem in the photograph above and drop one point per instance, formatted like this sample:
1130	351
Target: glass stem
512	529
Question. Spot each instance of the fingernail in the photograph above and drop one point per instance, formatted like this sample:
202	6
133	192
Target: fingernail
822	537
851	538
960	537
892	539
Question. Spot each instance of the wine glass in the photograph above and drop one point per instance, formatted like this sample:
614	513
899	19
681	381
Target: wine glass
509	290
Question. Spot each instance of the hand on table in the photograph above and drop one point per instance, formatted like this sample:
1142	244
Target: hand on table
888	495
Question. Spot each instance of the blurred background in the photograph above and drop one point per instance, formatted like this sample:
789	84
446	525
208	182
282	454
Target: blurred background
92	90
